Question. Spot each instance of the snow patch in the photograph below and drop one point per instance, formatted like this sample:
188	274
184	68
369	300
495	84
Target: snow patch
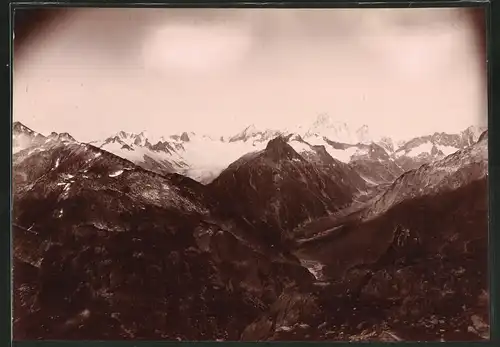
85	313
423	148
447	150
138	154
369	181
314	267
284	328
207	158
67	176
116	173
35	150
343	155
399	154
67	187
300	147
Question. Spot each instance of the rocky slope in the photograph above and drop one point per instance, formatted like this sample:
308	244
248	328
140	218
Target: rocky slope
100	243
276	189
23	137
395	278
464	166
371	161
396	270
161	156
426	149
337	170
287	243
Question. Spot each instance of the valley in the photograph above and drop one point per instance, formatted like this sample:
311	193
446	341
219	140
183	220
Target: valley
322	234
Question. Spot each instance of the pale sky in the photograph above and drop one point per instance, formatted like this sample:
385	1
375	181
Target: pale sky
402	72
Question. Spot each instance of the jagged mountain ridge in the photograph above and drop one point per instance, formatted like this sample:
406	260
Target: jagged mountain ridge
404	265
23	137
65	137
460	168
161	156
98	240
326	126
425	149
463	166
203	157
275	189
129	208
442	178
318	161
334	177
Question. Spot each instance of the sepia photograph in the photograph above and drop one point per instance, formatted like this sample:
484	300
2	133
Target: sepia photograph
250	174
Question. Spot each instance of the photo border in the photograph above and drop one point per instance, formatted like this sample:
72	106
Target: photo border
492	28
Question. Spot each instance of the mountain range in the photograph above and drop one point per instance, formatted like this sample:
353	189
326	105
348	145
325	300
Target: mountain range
288	236
203	157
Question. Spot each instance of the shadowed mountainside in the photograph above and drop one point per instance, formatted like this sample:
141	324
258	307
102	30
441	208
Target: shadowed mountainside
281	246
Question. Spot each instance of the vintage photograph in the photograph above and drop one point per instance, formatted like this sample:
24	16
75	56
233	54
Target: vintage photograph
250	174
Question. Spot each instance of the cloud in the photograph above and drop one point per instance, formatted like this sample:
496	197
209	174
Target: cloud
202	48
216	71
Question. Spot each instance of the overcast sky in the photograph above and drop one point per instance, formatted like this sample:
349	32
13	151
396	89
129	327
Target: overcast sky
403	73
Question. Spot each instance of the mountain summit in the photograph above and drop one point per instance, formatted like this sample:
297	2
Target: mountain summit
23	137
280	149
61	137
285	236
158	155
203	158
334	130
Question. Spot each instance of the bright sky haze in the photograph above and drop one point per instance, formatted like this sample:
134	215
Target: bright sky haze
402	72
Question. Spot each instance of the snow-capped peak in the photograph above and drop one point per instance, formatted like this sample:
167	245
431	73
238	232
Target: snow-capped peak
252	134
387	143
363	134
472	133
339	131
20	128
124	135
184	137
245	134
440	144
23	137
325	122
141	139
457	169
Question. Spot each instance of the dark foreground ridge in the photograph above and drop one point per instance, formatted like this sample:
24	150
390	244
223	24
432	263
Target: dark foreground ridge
279	247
